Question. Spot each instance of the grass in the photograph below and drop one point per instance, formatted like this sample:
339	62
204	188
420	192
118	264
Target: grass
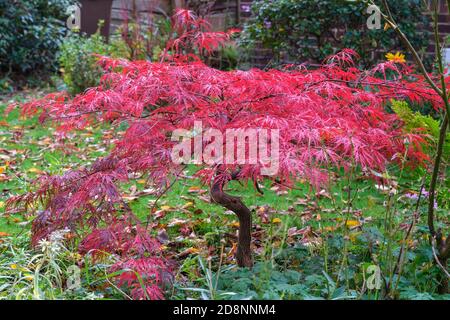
325	261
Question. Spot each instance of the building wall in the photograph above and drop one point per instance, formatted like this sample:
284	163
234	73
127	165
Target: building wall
443	23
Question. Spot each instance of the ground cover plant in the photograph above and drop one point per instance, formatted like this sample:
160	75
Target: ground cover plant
344	215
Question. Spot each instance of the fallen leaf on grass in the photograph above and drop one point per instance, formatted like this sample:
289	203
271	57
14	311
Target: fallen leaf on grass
176	222
330	228
188	205
353	223
323	193
263	213
294	232
276	220
188	251
35	170
301	202
234	224
206	199
196	189
233	250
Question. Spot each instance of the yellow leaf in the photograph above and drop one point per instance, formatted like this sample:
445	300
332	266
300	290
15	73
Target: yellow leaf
35	170
2	204
29	277
142	181
2	169
166	208
276	220
352	223
188	205
13	266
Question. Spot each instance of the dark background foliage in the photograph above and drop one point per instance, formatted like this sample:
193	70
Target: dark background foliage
311	30
31	33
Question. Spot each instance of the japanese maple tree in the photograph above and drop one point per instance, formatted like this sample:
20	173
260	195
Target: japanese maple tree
332	116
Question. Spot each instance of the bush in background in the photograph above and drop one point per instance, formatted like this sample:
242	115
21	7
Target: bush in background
311	30
79	63
31	33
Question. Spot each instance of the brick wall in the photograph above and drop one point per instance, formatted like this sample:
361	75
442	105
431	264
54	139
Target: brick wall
443	23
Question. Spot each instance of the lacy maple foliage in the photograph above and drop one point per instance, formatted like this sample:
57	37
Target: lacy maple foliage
332	116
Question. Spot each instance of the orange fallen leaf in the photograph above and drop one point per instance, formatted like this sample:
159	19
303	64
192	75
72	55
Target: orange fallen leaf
194	189
188	251
234	224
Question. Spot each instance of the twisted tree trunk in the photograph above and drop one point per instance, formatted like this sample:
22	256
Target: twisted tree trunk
243	253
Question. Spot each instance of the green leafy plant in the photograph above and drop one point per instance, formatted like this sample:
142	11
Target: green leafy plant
31	33
415	122
78	59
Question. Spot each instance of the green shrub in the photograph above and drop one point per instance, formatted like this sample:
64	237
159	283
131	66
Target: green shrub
79	64
308	30
415	122
31	33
